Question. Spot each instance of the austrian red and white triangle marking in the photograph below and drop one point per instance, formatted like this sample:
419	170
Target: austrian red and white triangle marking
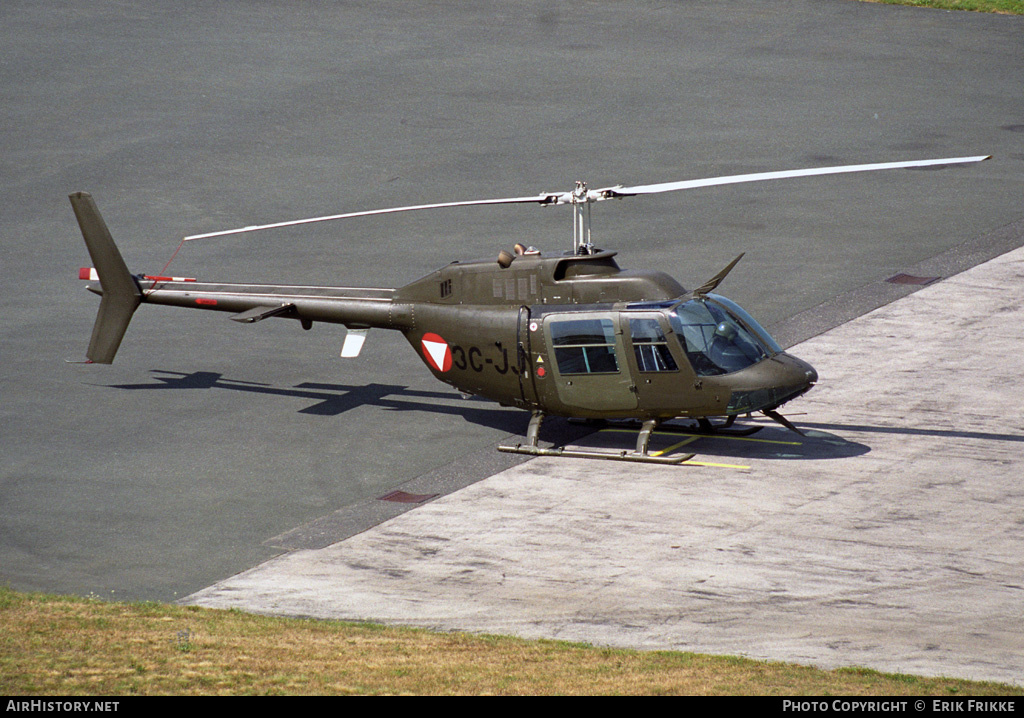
437	352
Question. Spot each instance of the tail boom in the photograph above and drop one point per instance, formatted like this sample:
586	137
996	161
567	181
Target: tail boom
357	308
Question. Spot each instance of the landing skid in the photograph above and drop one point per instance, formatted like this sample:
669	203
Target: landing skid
640	456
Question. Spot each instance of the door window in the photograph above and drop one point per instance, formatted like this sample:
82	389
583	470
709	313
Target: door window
650	346
584	346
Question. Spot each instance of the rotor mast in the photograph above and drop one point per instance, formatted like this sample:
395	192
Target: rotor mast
581	200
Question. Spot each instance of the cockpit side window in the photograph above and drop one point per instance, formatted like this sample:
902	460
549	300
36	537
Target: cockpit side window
715	341
650	346
739	313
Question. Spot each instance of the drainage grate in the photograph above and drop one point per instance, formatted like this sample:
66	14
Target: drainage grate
402	497
911	279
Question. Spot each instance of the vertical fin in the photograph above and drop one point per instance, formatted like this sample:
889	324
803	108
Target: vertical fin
121	295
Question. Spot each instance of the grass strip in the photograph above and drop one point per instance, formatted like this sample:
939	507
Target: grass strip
60	645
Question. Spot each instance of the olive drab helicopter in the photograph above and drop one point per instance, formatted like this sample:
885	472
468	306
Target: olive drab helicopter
567	334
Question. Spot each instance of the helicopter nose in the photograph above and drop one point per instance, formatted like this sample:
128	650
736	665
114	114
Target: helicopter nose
794	374
810	374
800	372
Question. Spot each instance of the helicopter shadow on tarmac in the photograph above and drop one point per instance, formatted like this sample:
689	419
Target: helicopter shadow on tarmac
820	440
332	399
768	443
336	399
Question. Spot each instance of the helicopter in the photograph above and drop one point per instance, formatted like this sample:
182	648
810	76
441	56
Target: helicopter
567	334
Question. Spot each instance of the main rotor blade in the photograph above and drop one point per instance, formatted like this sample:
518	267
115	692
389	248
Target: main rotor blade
550	198
581	196
785	174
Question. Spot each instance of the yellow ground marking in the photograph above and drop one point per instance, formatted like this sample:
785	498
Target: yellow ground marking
741	467
672	448
690	438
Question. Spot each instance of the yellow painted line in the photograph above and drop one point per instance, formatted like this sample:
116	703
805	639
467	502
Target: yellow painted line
719	466
672	448
692	438
690	462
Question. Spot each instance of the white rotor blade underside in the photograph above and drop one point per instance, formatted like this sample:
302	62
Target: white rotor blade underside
583	196
786	174
539	199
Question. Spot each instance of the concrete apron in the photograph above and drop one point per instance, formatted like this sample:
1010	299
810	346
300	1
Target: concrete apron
891	537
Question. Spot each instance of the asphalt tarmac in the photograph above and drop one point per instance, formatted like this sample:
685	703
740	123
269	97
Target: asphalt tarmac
209	447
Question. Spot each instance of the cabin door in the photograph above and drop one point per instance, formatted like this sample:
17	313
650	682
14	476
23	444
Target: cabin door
588	361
